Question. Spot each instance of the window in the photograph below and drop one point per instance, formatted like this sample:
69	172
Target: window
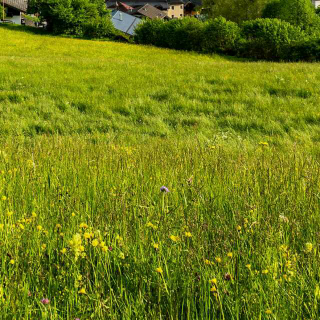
180	14
172	7
172	16
181	7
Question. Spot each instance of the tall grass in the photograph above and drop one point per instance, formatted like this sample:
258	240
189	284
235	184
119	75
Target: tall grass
86	231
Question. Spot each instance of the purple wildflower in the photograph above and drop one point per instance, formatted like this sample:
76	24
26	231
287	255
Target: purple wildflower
164	189
45	301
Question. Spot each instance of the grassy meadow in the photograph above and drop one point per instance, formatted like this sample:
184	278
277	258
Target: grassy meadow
91	131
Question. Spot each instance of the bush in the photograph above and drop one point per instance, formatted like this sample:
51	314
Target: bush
221	36
305	50
74	17
180	34
269	39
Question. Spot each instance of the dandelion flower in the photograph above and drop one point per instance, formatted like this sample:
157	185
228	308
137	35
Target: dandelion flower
230	254
207	262
218	259
188	234
95	243
213	281
82	291
268	311
159	270
39	228
239	228
265	271
156	246
4	198
174	238
63	251
248	266
83	225
12	261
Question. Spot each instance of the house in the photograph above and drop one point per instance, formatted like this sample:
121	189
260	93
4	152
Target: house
124	22
316	3
149	11
191	6
171	8
15	10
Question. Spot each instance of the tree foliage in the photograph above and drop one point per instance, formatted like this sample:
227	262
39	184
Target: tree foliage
235	10
74	17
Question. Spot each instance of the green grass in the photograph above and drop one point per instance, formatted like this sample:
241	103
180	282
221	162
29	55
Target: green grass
89	133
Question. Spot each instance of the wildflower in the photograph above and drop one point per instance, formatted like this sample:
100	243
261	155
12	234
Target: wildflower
39	228
268	311
95	242
164	189
174	238
45	301
308	247
213	289
230	255
82	291
156	246
159	270
188	234
12	261
207	262
152	226
265	271
44	246
265	144
21	226
58	226
83	225
121	255
239	228
213	281
63	251
248	266
34	215
9	213
218	259
73	214
4	198
87	235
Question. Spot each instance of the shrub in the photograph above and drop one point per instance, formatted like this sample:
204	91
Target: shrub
180	34
305	50
221	36
269	39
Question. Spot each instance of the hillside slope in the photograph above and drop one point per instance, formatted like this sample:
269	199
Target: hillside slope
58	85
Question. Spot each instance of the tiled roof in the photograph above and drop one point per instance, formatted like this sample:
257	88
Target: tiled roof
150	12
21	5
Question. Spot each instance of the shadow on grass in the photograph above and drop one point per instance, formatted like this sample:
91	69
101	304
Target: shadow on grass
25	29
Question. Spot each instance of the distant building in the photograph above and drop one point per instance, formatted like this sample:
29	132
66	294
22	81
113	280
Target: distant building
15	10
316	3
172	8
149	11
124	22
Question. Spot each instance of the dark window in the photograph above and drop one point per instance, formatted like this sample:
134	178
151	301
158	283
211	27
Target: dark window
180	14
172	7
181	7
172	16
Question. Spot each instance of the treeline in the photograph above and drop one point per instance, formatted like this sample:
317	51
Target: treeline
290	31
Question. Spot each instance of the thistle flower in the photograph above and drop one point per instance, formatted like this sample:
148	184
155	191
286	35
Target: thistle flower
45	301
164	189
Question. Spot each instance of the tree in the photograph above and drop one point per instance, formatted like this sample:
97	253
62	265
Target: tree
300	13
88	18
235	10
2	12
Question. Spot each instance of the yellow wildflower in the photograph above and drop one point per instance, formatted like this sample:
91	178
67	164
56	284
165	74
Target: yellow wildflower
95	242
34	215
213	281
58	226
44	246
207	262
265	271
4	198
268	311
11	261
82	291
39	228
265	144
156	245
87	235
248	266
213	289
83	225
218	259
73	214
63	251
239	228
174	238
159	270
188	234
230	254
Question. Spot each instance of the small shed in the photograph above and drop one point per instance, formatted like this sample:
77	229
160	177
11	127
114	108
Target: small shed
124	22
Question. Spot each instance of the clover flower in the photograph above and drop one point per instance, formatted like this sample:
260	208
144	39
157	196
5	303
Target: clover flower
164	189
